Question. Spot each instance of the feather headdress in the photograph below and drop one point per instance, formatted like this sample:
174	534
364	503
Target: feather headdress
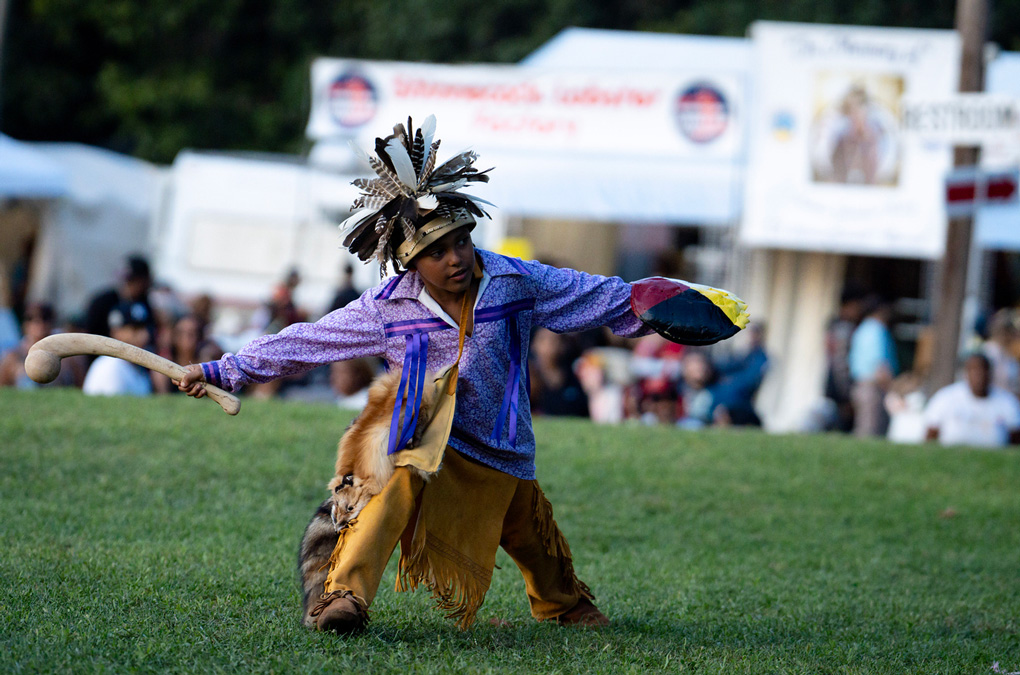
412	201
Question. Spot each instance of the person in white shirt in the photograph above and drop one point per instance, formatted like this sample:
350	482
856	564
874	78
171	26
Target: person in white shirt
109	376
973	411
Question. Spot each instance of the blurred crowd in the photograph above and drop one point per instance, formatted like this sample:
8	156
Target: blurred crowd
133	310
648	381
869	393
596	375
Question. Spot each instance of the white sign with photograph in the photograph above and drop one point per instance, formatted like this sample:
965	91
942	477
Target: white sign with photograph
829	168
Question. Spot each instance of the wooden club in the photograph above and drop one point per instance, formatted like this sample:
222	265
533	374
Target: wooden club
43	361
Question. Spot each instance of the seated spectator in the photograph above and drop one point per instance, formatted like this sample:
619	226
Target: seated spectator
346	293
188	344
973	412
657	366
135	285
998	348
38	324
555	389
109	376
281	309
605	375
695	393
906	399
201	307
738	381
905	403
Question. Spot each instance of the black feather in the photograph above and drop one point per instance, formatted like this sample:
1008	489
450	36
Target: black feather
380	150
417	152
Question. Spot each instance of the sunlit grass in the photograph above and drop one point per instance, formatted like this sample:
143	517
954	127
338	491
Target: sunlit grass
160	535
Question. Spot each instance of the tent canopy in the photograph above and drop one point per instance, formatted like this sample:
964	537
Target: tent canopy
618	49
28	174
705	191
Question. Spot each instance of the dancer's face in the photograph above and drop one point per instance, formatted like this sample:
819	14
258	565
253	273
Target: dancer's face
446	267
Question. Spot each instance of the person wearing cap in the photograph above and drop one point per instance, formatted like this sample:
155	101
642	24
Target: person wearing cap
109	376
135	284
414	217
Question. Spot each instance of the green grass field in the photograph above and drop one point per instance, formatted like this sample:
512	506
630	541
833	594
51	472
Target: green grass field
160	535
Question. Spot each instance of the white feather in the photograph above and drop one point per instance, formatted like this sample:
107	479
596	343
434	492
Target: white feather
448	187
428	132
402	163
427	202
352	220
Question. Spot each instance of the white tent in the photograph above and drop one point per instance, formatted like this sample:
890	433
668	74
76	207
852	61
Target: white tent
28	180
104	216
234	225
28	174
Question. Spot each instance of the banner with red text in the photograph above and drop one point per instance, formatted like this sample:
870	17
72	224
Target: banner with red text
689	113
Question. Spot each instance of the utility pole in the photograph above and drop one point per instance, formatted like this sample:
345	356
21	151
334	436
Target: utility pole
972	25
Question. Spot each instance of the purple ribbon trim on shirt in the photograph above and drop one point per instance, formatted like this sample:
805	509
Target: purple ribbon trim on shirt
502	311
408	326
412	381
432	324
517	264
388	289
419	389
511	395
211	372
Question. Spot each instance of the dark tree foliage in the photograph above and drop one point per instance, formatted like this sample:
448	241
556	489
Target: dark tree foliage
150	77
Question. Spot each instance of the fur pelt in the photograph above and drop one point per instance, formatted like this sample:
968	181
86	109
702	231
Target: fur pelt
362	470
317	546
362	466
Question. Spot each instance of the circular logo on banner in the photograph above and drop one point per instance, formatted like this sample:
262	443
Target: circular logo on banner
352	100
702	113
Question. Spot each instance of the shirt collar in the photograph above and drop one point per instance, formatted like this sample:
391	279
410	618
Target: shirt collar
430	302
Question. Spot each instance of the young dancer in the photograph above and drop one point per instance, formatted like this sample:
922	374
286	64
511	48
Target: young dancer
447	294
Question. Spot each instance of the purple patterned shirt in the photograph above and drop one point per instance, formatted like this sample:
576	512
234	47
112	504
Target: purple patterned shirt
492	422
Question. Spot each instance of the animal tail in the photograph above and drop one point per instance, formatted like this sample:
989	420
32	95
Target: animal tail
317	546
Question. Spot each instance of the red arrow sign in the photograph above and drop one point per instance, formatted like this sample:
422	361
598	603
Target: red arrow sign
1002	189
967	188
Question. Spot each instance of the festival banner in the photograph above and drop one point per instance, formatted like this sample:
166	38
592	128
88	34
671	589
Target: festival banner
687	113
829	168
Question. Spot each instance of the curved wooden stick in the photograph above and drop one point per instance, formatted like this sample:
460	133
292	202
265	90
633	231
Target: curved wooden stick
43	361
